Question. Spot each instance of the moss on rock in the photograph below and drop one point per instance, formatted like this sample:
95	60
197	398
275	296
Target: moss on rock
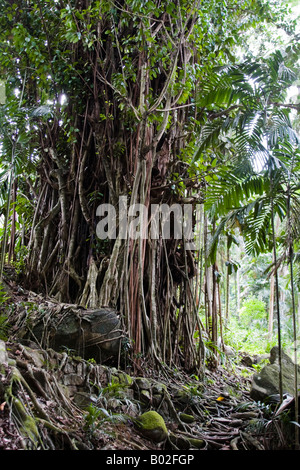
143	383
197	443
185	418
125	379
152	425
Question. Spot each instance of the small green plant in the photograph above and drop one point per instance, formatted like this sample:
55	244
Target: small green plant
19	263
4	297
96	417
113	389
258	367
212	351
192	389
246	373
91	419
91	361
4	327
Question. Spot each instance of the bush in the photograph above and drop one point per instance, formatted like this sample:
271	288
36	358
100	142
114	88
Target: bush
253	313
249	331
243	339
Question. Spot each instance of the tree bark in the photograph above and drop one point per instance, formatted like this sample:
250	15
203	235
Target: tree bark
131	126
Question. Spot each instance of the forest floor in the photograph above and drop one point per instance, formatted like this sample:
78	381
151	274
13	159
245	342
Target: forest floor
39	407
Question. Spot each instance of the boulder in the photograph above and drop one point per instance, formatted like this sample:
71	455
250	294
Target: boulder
89	333
265	384
152	425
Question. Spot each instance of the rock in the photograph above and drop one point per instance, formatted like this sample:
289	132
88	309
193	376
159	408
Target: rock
3	353
274	357
266	382
182	396
35	356
142	383
197	443
113	404
247	361
159	389
185	418
124	378
260	358
157	400
84	399
152	425
90	333
145	396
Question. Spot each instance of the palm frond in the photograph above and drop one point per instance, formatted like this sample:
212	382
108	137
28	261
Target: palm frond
231	191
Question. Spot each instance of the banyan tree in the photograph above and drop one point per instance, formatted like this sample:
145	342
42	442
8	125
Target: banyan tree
106	95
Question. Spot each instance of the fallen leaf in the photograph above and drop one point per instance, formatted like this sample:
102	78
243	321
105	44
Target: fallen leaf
2	406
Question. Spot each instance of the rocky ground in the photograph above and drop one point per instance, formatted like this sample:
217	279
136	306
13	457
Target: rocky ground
53	400
50	400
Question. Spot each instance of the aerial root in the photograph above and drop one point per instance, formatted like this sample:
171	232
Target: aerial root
33	424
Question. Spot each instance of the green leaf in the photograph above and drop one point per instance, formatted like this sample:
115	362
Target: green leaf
2	92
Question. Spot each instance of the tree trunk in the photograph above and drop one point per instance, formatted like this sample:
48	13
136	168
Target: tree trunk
238	293
227	299
271	308
128	140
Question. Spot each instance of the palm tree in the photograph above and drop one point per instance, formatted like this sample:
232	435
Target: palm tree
17	167
250	127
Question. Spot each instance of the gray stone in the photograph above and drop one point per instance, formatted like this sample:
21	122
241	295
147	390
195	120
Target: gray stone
181	396
84	399
3	353
124	378
260	358
159	389
145	396
73	380
92	333
266	382
35	356
142	383
113	403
